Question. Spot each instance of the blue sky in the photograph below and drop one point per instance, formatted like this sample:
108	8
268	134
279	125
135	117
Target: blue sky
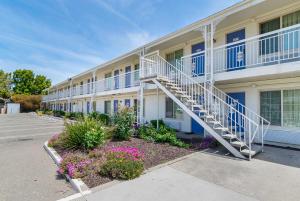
61	38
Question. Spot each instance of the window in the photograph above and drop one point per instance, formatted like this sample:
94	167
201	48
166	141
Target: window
173	56
172	109
108	81
270	106
281	108
269	44
291	19
291	108
107	107
94	106
136	73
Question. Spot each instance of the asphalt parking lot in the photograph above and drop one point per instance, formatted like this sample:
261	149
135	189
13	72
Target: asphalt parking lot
27	172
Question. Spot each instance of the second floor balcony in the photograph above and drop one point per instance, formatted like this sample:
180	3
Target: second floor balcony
277	47
118	82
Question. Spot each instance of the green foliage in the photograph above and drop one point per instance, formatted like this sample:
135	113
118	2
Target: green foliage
74	115
85	134
163	135
160	123
59	113
26	82
123	121
121	167
28	102
5	82
104	118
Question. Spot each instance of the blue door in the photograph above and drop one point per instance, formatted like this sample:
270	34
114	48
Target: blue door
88	107
236	54
127	102
236	121
198	59
127	76
196	127
116	105
116	75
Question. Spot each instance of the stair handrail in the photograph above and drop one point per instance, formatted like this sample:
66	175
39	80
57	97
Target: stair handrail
261	120
160	67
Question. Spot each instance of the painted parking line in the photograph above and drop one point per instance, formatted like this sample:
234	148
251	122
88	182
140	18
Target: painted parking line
41	128
30	125
26	136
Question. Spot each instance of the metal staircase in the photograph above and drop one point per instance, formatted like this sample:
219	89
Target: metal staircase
234	129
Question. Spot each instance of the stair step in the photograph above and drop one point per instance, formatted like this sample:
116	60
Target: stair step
180	92
209	117
163	78
238	144
171	84
198	106
185	96
190	101
214	122
229	136
175	88
221	128
255	149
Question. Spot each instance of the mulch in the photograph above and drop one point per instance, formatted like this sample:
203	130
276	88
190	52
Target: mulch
154	154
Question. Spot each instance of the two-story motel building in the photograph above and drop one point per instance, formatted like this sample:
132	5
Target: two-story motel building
249	51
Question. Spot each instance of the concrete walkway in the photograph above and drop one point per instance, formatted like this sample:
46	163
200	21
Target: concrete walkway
27	172
271	176
167	184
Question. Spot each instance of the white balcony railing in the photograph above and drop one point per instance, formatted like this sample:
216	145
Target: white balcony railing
122	81
127	80
280	46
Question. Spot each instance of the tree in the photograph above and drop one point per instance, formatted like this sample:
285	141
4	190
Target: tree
5	81
26	82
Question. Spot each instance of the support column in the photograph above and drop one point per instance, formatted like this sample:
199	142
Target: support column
70	105
141	91
157	96
93	91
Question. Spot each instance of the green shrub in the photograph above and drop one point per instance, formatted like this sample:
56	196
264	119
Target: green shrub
58	113
123	121
55	140
104	118
123	163
85	134
160	123
164	134
122	169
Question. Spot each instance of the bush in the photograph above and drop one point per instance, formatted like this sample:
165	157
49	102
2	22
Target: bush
164	134
123	163
58	113
28	103
55	140
74	115
123	121
104	118
74	165
85	134
160	123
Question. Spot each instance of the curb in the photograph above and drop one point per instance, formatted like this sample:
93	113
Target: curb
77	184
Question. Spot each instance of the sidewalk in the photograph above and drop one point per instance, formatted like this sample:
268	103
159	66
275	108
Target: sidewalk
166	184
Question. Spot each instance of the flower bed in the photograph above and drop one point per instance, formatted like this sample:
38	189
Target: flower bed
152	154
99	153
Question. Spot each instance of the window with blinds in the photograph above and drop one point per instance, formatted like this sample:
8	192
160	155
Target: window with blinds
173	56
291	19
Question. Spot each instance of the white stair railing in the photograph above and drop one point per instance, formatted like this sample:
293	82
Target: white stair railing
197	60
221	115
